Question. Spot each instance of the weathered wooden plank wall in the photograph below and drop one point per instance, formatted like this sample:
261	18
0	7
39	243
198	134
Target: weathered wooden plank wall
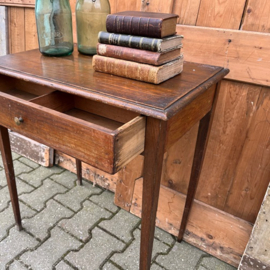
236	172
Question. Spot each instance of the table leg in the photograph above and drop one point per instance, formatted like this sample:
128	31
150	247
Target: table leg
9	170
79	171
153	159
202	138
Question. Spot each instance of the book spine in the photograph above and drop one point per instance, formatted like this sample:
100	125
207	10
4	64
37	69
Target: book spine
143	43
127	69
129	54
138	26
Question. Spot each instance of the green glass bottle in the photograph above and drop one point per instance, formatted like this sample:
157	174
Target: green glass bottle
54	27
90	18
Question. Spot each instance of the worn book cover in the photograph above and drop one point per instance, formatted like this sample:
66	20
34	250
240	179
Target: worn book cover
136	55
143	43
137	71
139	23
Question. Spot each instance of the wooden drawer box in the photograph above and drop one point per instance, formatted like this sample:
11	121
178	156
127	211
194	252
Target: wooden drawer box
96	133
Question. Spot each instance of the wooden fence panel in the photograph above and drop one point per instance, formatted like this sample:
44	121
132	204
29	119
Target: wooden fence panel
247	61
221	14
178	161
157	5
208	228
31	39
236	107
256	17
118	5
73	6
16	20
187	11
253	169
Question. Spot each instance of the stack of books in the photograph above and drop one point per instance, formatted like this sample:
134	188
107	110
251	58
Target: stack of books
141	46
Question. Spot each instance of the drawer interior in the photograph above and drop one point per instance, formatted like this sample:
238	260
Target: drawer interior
94	112
22	89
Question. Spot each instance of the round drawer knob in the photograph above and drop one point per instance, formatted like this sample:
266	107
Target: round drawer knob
18	120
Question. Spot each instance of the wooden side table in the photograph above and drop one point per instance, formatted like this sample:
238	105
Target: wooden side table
106	120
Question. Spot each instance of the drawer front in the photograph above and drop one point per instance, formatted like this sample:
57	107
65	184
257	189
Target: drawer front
85	141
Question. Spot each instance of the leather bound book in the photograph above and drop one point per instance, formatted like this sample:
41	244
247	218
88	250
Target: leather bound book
139	23
136	55
143	43
137	71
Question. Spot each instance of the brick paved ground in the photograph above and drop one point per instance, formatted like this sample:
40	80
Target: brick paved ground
71	227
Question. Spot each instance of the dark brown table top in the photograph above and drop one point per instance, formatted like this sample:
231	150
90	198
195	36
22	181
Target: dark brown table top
74	74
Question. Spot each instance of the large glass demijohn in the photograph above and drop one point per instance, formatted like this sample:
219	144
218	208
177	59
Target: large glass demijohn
54	27
90	18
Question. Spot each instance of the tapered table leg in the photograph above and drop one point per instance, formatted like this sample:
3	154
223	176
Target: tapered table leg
9	170
202	138
79	171
153	158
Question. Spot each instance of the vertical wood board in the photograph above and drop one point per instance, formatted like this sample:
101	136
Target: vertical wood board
16	17
187	11
221	14
31	39
118	5
125	183
256	17
157	5
74	29
178	161
252	173
235	109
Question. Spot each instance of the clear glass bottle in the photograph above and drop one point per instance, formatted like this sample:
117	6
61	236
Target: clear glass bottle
54	27
90	18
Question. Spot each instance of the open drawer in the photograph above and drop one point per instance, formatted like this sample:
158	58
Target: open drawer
98	134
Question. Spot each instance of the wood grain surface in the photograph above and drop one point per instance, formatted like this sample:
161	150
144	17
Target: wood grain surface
256	16
205	228
187	11
16	29
248	62
18	3
157	6
96	176
221	14
31	38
